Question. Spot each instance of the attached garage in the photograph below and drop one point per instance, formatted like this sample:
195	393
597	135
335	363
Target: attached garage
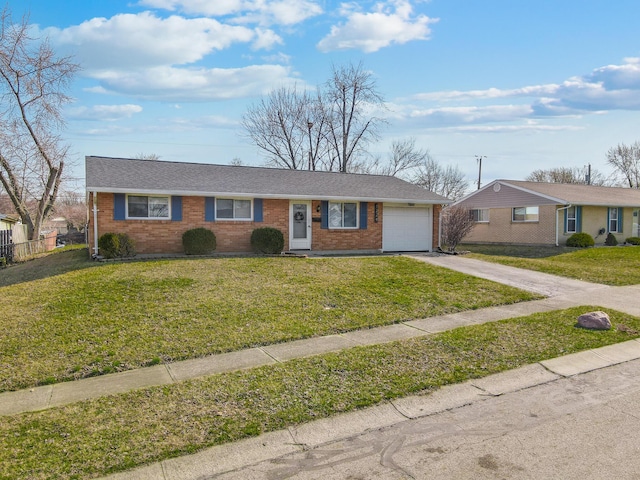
406	228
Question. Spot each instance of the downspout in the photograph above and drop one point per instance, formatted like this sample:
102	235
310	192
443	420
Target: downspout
557	221
95	224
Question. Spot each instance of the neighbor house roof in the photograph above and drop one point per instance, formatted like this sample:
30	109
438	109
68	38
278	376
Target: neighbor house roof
9	218
570	194
121	175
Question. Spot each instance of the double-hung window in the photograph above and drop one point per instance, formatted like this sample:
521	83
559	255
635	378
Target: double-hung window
614	221
148	206
571	220
343	215
525	214
480	215
233	209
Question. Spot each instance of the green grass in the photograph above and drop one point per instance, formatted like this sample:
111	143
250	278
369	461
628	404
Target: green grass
115	433
103	318
607	265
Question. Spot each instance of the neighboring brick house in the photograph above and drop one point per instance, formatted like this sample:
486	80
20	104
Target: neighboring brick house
537	213
155	202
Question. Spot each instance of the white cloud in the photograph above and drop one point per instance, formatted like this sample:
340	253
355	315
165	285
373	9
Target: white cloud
613	87
281	12
266	40
103	112
194	84
390	23
145	40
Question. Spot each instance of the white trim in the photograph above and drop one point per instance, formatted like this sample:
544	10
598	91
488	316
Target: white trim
279	196
233	219
298	243
341	202
126	207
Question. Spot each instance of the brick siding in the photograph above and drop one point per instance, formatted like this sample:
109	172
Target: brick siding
165	236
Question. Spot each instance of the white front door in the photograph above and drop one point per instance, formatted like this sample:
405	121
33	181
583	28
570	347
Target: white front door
300	226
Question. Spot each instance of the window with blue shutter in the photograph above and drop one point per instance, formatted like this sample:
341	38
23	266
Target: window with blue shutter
119	206
363	215
209	209
176	209
324	214
578	219
257	210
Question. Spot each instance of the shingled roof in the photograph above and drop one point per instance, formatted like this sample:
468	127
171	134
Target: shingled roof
122	175
580	194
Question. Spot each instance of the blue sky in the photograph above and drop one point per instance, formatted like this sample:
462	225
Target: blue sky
528	84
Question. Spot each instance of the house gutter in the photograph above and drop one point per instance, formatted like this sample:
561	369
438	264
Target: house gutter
95	224
557	221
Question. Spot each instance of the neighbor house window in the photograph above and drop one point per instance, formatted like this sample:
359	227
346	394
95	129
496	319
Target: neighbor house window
525	214
480	215
233	209
148	206
571	220
343	215
613	220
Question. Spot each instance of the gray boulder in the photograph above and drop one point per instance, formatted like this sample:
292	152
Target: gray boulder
594	321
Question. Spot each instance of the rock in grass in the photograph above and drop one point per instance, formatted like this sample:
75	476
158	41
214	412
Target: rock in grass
594	321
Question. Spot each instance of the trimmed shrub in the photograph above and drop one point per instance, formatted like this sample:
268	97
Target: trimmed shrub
633	240
116	245
198	241
611	240
580	240
267	240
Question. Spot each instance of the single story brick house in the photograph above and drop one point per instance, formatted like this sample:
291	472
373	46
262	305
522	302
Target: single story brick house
538	213
155	202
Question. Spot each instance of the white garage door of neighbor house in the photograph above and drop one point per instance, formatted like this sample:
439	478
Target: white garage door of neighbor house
406	229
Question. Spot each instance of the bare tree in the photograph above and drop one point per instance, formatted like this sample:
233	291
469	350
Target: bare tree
349	102
447	181
625	159
281	125
72	206
457	222
568	175
147	156
33	82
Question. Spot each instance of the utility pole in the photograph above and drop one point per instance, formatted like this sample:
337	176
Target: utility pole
589	175
309	126
479	160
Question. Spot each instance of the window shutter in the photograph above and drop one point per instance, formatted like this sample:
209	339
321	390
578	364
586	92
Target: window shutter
119	206
176	209
578	219
620	220
608	220
324	214
257	210
363	215
209	209
566	220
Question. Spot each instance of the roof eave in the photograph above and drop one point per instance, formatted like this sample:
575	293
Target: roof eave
187	193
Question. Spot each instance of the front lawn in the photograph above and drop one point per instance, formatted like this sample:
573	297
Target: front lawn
93	438
607	265
118	316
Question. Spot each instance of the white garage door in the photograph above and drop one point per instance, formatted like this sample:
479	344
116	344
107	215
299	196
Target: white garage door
406	229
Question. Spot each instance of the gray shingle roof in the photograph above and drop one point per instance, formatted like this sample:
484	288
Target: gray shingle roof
577	194
121	175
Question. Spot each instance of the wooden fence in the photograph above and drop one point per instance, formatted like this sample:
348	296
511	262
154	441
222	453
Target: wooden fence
15	247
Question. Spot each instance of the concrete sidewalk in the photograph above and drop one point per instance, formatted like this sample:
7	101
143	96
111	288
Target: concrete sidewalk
561	293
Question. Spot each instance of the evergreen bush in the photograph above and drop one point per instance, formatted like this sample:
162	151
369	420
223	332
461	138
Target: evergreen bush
611	240
116	245
580	240
633	240
198	241
267	240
